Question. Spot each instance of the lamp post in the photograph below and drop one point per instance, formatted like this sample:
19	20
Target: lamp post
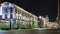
10	24
59	12
40	22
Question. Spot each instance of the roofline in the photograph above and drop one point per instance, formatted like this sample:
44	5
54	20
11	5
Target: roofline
26	11
21	9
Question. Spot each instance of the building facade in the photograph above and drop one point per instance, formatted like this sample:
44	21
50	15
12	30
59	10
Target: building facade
18	17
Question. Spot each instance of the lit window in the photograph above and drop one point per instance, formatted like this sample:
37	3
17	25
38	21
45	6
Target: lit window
20	15
17	17
16	14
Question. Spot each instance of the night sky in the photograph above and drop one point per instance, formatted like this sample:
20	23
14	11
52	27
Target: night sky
38	7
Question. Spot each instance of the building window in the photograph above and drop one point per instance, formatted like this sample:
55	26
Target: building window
16	17
5	16
11	16
4	10
16	11
11	10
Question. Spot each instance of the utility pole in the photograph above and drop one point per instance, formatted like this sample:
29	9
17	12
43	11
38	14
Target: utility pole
0	1
59	12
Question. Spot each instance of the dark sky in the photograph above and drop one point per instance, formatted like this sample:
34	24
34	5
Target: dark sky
38	7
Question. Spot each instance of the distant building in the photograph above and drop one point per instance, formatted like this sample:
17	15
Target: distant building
42	21
47	18
52	25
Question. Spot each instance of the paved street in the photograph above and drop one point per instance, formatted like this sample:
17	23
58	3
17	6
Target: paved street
31	31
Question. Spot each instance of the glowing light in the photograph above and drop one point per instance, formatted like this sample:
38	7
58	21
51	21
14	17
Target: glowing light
40	17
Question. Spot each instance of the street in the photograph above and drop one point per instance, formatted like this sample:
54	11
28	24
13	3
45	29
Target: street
31	31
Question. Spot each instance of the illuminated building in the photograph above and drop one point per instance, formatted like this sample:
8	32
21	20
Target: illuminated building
42	21
18	16
47	18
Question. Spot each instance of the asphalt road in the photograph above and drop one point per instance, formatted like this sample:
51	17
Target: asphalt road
31	31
